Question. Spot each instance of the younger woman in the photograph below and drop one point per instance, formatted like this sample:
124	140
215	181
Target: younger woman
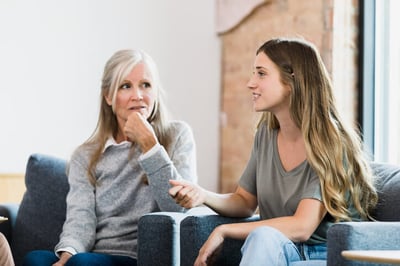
306	169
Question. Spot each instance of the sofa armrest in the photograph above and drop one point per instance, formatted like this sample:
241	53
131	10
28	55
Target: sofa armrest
10	211
195	229
360	236
158	237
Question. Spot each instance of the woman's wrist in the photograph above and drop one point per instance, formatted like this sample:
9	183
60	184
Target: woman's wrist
147	145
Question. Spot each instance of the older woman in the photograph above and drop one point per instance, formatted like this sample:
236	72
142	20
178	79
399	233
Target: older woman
121	172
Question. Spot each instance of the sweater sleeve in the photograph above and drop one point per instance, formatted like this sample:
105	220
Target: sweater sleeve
79	229
180	163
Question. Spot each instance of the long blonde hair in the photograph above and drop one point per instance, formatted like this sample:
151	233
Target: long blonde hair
333	149
115	70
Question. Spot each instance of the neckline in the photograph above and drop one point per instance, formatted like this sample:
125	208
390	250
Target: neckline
277	158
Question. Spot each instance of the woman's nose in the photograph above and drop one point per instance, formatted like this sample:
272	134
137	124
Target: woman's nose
136	94
251	84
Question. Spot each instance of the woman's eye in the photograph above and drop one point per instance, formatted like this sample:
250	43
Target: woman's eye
125	86
146	85
261	74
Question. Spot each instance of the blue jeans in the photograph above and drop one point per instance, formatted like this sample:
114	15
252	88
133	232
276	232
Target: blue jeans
267	246
47	258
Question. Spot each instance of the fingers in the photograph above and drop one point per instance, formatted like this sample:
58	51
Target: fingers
179	182
137	125
200	262
185	193
187	197
203	258
134	120
210	249
177	185
174	190
137	129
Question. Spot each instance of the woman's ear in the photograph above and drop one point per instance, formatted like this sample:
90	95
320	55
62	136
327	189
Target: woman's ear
108	100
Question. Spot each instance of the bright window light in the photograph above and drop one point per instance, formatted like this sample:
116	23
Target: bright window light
387	82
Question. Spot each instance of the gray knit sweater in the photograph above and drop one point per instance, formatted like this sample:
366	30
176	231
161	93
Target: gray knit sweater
104	218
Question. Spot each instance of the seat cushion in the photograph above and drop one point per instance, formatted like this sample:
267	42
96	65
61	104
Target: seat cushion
42	210
388	185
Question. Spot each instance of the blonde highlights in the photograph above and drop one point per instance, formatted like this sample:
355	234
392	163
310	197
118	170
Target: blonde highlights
333	149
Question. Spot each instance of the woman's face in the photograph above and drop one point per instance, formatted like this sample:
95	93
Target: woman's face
269	93
135	94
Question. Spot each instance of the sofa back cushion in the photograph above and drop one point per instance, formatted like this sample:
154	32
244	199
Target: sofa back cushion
388	185
42	210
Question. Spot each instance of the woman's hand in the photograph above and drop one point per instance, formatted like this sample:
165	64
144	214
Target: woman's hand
210	247
138	130
63	259
187	194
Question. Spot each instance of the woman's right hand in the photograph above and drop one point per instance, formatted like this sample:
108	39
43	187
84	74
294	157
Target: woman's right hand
64	257
187	194
210	248
139	131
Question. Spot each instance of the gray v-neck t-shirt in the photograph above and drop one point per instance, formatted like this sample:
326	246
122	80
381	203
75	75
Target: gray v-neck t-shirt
278	191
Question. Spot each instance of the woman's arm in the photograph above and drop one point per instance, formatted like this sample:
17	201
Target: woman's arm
297	228
80	208
238	204
178	164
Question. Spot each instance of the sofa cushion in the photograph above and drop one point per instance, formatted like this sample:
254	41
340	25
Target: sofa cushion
42	210
388	186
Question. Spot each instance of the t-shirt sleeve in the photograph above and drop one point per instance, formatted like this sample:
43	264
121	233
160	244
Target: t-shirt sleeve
313	189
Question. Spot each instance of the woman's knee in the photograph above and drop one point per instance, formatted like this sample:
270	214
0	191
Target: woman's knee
39	257
265	233
89	258
80	259
267	237
271	245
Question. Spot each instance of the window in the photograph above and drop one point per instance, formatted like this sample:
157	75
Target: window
381	79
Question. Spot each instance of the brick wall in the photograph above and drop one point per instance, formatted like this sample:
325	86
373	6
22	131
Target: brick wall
311	19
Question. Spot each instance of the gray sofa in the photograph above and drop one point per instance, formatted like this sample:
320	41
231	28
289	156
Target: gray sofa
192	229
167	238
37	221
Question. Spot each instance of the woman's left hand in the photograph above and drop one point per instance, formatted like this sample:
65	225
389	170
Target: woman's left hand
139	131
210	247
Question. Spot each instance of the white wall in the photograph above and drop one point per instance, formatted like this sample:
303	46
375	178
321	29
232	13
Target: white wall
52	54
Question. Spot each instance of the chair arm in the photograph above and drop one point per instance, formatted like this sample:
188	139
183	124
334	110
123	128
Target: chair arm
360	236
158	237
195	230
10	211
